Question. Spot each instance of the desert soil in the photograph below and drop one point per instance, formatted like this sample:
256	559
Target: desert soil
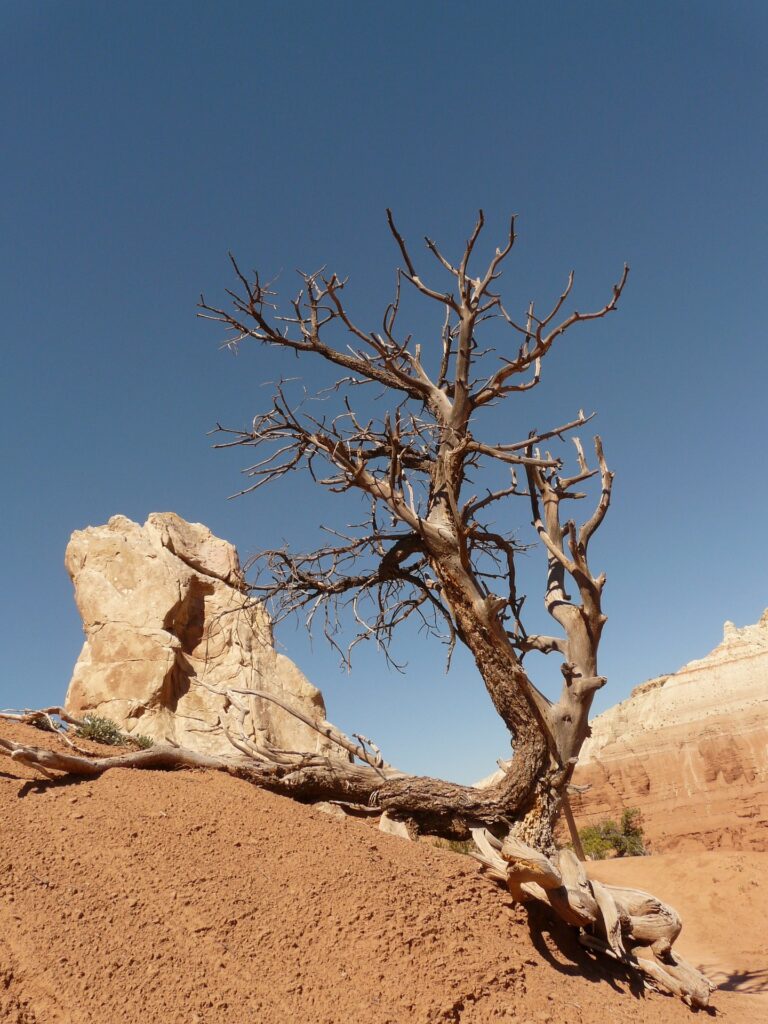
149	897
722	898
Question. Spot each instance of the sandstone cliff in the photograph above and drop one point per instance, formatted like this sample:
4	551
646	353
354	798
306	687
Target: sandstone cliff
690	750
167	621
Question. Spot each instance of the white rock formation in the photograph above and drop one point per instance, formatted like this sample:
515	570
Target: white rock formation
690	750
167	623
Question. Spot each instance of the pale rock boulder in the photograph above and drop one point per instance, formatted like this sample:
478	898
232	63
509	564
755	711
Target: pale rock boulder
168	622
690	750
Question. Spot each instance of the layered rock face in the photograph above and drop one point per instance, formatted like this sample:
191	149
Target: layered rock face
167	623
690	750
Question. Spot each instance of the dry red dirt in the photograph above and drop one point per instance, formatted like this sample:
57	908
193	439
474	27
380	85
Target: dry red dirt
723	900
149	897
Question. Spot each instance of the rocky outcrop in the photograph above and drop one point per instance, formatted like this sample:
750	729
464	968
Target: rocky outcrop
690	750
167	623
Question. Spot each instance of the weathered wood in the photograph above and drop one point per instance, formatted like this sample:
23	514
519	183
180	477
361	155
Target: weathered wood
439	807
394	827
628	924
613	921
525	864
160	756
680	978
571	823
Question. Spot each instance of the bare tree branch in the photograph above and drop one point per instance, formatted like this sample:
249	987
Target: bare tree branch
428	551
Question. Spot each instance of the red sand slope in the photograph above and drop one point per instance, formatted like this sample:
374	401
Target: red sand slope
173	898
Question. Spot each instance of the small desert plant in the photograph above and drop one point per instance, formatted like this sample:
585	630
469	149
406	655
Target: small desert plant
142	742
102	730
42	722
465	846
611	840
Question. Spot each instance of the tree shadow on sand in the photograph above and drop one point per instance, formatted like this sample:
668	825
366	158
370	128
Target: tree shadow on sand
44	785
746	982
558	944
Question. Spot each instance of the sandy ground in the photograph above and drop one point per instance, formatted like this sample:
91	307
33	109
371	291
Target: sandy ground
194	898
722	897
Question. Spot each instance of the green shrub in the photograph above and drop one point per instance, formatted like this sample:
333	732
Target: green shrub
104	730
101	730
611	840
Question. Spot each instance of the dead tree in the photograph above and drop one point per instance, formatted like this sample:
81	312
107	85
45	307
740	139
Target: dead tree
430	548
435	483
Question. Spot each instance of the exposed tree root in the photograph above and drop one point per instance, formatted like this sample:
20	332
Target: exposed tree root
629	925
162	756
438	807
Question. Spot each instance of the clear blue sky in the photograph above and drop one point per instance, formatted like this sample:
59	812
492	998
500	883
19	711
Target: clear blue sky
141	141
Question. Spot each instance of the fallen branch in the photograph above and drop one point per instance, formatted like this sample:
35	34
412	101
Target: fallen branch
161	756
43	717
440	808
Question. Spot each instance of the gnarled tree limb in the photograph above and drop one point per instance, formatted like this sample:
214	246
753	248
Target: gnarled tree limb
631	925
